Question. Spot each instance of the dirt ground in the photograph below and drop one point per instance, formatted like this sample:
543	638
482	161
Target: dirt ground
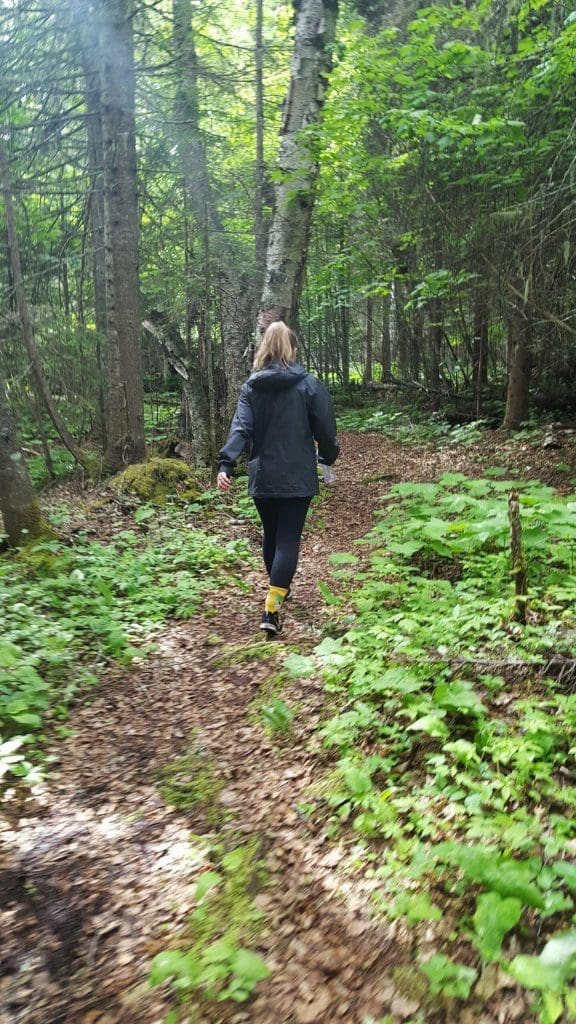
98	873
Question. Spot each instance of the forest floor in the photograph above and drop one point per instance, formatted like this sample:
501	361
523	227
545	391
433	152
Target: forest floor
99	870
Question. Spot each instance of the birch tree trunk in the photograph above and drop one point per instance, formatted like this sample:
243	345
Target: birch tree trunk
259	226
126	396
18	505
294	195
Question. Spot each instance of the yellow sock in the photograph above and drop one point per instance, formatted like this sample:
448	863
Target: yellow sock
275	598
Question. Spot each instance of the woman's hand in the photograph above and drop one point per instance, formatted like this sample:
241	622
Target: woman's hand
223	482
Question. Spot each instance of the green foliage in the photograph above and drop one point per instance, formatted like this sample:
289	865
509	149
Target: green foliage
219	965
277	716
438	168
190	782
550	975
71	609
495	916
448	978
452	777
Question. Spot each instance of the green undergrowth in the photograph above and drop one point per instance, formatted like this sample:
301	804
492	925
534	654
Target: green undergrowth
454	735
269	709
418	426
70	610
214	961
191	783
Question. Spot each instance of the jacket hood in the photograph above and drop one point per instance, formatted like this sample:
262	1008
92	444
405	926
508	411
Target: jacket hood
277	377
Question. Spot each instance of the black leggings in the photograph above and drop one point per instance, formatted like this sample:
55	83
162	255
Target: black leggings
283	521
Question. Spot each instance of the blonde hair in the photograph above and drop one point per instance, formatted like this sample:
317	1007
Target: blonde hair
277	346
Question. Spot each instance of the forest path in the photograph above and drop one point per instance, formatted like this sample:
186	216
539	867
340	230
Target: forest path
100	873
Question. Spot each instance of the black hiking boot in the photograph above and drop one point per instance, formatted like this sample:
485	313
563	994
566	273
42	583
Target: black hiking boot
271	623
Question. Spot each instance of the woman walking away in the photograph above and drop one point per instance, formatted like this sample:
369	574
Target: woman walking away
281	412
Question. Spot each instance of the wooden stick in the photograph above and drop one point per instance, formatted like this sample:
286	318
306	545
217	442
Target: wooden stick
519	568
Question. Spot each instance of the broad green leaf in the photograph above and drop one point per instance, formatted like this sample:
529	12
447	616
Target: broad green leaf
218	952
509	879
560	952
567	871
433	725
27	718
328	646
447	977
358	782
10	654
417	907
207	881
406	548
532	973
552	1007
300	665
249	966
494	917
343	558
165	965
234	860
458	695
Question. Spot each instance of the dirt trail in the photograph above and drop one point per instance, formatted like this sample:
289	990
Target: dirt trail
98	874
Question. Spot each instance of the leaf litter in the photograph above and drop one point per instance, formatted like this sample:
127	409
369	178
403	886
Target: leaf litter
98	872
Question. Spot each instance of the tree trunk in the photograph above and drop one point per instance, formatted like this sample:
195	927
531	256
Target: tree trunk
385	341
259	227
518	390
37	413
40	383
126	394
184	362
480	346
96	222
399	328
368	369
344	319
435	347
18	505
236	289
288	240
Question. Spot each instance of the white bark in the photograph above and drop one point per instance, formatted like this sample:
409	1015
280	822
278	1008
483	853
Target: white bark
288	239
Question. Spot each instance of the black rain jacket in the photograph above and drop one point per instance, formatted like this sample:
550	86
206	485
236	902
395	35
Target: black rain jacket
281	412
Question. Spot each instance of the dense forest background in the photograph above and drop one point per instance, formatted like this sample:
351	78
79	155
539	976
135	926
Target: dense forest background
399	186
373	818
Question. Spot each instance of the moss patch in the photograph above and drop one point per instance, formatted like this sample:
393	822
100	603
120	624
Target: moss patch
156	480
237	654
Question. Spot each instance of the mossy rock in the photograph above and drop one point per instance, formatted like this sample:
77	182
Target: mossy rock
156	480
